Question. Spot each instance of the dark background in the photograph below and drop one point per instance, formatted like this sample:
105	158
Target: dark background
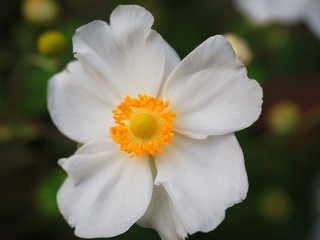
283	165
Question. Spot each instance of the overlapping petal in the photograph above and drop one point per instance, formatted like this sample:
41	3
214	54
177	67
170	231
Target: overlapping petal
128	56
162	217
106	191
80	109
203	179
211	93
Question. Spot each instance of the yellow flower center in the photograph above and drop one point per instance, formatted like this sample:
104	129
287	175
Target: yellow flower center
143	125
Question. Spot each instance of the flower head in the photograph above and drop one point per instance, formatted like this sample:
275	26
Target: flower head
142	125
283	11
157	133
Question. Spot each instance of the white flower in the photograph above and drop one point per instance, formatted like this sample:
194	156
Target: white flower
157	133
284	11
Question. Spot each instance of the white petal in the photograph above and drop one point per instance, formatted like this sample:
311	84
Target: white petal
161	216
312	16
203	178
172	61
127	20
211	93
264	11
128	56
77	105
106	192
95	47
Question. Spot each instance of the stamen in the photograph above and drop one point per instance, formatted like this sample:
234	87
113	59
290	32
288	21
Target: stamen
142	125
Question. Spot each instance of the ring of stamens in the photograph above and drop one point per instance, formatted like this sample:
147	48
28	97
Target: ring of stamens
143	125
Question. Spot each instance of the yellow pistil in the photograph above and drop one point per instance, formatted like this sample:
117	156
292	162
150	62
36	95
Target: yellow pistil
142	125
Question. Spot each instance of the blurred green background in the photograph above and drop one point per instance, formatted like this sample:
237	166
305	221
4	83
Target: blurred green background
281	149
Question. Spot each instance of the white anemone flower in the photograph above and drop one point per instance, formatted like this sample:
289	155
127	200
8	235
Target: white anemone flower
283	11
157	133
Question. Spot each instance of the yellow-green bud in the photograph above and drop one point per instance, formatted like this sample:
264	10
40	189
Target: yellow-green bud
40	11
275	204
51	43
283	117
240	46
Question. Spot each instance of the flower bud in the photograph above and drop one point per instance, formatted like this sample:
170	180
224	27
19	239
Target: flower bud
241	47
40	11
283	117
51	43
275	204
